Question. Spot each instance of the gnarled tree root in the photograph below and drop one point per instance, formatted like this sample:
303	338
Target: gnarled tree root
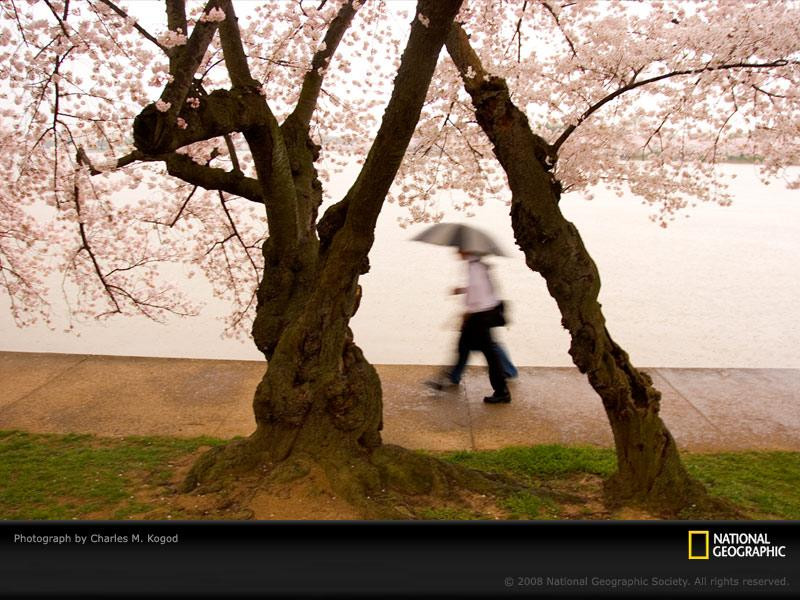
385	483
391	482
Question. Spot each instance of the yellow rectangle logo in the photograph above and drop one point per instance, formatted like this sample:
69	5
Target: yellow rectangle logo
697	541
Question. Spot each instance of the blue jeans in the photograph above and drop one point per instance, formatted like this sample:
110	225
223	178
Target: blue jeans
509	369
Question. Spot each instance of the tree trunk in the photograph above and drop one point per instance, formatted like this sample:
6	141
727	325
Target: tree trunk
649	468
318	408
319	398
319	403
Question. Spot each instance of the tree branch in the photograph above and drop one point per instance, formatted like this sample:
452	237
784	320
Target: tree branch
560	28
232	49
232	152
312	82
517	35
87	247
428	32
178	214
183	65
181	166
176	15
235	232
267	146
466	60
213	178
637	84
483	87
146	34
58	18
83	159
220	113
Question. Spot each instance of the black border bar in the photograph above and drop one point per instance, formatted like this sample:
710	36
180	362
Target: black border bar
348	559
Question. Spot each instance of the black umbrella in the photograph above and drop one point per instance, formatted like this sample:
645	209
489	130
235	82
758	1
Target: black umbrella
464	237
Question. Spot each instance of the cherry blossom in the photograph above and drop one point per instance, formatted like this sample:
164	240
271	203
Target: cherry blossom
646	98
215	15
171	39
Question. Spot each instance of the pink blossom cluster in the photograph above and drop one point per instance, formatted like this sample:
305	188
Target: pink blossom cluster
645	98
215	15
171	39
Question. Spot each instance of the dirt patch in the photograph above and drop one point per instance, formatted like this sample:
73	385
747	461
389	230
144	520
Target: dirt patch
630	513
307	498
156	496
311	497
580	496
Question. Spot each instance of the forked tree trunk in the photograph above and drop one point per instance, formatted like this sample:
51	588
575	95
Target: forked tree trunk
333	393
649	468
320	400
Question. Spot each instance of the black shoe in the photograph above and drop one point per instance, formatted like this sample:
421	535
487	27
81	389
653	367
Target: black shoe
502	398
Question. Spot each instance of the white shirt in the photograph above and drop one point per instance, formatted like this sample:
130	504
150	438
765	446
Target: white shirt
480	292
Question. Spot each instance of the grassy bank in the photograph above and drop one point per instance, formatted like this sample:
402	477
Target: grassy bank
88	477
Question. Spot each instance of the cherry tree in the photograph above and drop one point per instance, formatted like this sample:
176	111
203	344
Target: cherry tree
204	144
649	98
195	109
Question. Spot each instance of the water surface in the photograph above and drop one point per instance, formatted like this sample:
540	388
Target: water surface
717	289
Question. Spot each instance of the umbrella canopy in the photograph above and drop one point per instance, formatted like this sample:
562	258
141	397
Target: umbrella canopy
464	237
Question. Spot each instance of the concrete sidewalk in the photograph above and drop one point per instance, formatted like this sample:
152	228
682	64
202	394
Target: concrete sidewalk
706	409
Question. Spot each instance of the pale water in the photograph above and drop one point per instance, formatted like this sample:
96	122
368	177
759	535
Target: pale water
719	289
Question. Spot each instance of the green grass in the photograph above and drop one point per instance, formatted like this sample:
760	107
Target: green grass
760	482
69	476
75	476
539	461
765	484
529	506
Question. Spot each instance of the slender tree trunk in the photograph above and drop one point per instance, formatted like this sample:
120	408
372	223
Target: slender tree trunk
649	467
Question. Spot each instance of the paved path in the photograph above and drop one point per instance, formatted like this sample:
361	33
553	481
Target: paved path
706	409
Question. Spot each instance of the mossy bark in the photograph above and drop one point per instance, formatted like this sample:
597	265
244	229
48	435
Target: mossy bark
649	468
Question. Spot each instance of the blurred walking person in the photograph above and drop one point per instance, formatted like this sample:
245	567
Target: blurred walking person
483	312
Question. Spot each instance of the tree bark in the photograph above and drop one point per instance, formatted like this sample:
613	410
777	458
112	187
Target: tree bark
649	468
320	400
